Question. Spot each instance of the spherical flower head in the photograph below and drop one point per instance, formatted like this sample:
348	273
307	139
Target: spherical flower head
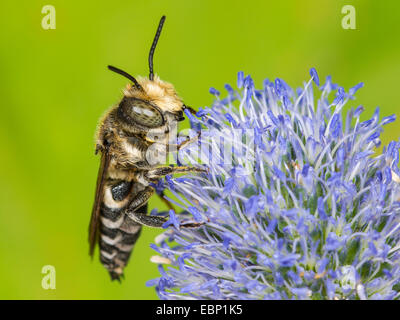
296	204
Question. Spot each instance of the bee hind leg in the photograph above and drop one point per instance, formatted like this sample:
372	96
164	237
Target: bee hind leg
139	200
157	221
145	220
150	221
184	224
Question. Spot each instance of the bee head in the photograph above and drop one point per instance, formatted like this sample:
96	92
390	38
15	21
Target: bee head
149	102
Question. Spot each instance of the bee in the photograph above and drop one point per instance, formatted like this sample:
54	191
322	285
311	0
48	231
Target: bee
148	109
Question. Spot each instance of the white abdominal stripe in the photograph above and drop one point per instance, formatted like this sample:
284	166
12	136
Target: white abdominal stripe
110	203
118	235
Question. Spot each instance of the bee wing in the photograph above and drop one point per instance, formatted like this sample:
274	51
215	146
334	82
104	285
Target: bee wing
94	220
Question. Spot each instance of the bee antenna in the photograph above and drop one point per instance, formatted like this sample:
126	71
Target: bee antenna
126	75
153	47
191	110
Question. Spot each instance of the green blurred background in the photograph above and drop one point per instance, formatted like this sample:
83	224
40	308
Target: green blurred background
55	85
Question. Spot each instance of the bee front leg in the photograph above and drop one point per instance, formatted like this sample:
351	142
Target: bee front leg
188	141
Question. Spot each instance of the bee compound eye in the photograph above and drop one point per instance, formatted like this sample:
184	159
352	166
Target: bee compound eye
141	113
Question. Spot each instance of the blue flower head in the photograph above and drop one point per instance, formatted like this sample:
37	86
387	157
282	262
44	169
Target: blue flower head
296	204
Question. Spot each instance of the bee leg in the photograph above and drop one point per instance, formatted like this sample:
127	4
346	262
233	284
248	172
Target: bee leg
139	200
157	221
192	111
173	146
159	172
183	224
189	141
191	225
167	203
149	221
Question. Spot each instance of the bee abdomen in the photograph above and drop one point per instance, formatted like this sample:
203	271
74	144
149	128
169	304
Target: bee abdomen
118	233
116	245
